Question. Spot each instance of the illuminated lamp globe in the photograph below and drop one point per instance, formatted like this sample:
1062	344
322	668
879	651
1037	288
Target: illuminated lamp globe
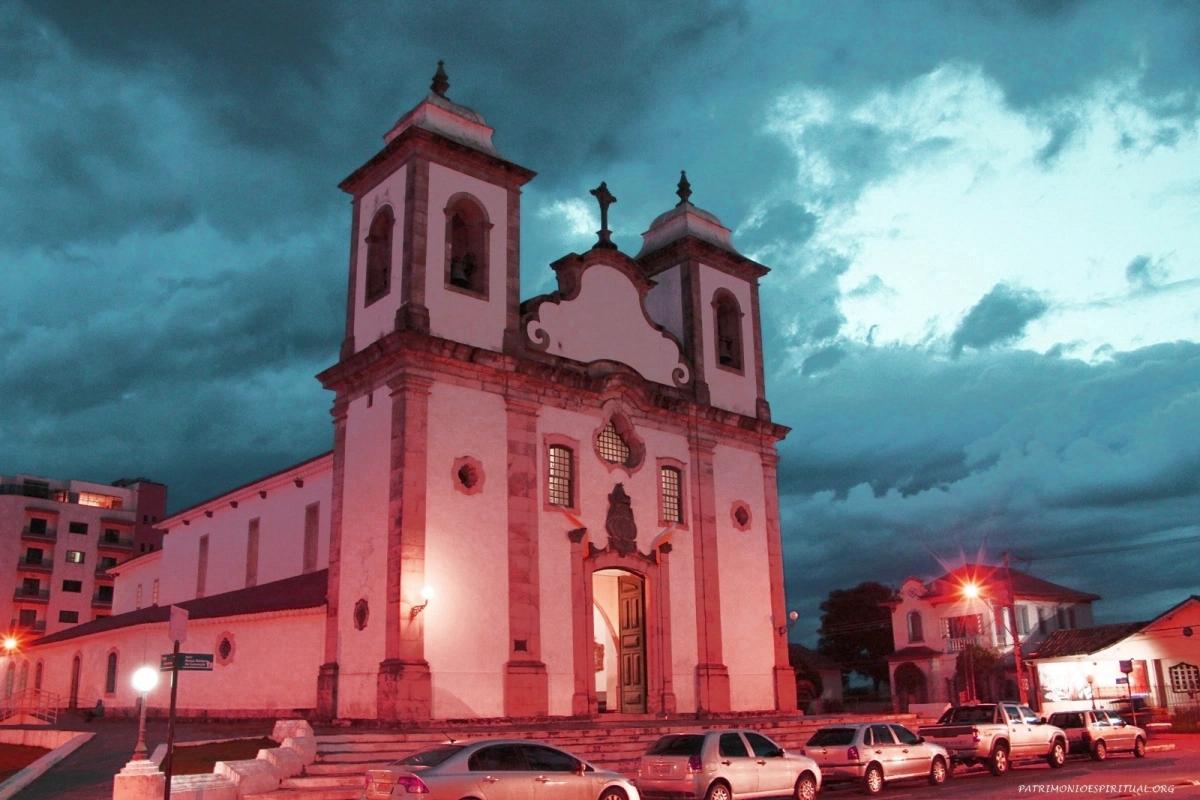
145	679
10	643
970	591
427	593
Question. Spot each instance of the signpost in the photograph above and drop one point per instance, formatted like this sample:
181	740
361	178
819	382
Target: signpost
177	631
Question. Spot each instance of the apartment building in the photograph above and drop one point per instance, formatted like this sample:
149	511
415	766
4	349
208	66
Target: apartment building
58	540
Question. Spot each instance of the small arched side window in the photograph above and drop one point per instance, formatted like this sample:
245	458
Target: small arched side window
379	254
915	634
110	674
728	317
37	675
467	234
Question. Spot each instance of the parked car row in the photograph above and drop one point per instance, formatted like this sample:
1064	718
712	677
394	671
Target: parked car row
738	763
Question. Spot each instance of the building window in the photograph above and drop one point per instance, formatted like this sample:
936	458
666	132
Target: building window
467	230
37	675
75	556
611	446
137	597
112	535
33	555
110	674
379	254
202	566
312	516
915	634
68	616
77	527
728	317
106	563
72	586
1061	615
37	525
252	553
27	618
1185	678
154	593
1041	621
1000	617
99	500
1071	618
1023	620
561	488
671	488
739	514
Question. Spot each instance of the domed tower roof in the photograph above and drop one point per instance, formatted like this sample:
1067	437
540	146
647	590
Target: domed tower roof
438	114
683	220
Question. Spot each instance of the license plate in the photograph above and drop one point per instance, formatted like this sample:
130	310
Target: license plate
662	770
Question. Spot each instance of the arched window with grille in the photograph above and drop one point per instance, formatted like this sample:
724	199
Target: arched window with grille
379	254
728	341
110	674
467	233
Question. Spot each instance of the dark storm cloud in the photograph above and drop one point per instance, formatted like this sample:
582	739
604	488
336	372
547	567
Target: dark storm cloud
1144	272
896	458
1000	316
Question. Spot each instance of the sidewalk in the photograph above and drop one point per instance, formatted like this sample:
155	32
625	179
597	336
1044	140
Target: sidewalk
87	774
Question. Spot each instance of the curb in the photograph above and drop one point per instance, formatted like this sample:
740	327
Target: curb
1160	748
39	768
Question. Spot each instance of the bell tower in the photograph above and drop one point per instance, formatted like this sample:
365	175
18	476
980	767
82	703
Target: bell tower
435	231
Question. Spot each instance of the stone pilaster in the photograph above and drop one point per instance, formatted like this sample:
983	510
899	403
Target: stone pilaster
785	676
712	676
583	700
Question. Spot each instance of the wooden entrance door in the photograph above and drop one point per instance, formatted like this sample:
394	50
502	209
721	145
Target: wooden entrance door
631	603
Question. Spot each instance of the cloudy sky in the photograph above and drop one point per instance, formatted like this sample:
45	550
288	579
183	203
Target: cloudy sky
983	219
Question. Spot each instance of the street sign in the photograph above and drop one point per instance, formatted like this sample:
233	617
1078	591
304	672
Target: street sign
177	626
1126	666
1123	679
188	662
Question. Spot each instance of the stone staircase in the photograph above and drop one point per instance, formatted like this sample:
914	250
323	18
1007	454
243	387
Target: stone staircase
343	758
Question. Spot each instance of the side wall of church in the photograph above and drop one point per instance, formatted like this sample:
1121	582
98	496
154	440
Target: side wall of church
454	314
379	318
269	669
746	625
281	530
364	533
466	551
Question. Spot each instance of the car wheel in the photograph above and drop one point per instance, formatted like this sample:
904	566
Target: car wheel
873	780
719	791
1057	755
998	763
1139	747
806	787
937	771
613	793
1100	750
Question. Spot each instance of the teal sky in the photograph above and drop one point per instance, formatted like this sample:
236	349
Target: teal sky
983	220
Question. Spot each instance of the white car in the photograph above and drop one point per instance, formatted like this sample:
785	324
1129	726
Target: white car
722	765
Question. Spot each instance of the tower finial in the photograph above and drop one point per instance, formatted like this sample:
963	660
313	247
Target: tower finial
685	189
605	198
441	81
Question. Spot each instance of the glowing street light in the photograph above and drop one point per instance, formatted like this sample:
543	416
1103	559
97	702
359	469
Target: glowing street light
144	681
971	590
11	643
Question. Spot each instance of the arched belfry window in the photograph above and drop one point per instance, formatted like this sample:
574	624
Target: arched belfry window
467	231
915	634
728	318
379	254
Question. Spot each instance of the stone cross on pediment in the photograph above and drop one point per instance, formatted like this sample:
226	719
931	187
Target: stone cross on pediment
605	198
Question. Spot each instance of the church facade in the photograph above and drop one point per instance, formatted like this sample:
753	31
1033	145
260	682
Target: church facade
562	506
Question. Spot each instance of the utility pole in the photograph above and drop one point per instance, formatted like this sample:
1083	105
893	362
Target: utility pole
1022	688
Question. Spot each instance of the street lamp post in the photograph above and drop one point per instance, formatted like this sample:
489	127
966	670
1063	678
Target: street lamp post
1018	665
144	681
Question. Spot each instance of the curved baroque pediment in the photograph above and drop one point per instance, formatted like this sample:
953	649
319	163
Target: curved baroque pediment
599	314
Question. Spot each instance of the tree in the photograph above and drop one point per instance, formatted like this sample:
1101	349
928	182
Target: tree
988	669
856	629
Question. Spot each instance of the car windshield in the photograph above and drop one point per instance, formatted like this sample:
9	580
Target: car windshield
832	737
968	714
431	757
680	744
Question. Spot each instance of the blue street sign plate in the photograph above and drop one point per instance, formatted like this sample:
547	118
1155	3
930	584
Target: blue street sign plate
193	662
1123	679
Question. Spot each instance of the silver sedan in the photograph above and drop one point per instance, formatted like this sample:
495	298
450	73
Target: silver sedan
496	769
876	753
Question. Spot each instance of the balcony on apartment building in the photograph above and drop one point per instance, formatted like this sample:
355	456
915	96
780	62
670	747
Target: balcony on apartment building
38	626
35	565
102	600
113	543
28	594
33	534
37	489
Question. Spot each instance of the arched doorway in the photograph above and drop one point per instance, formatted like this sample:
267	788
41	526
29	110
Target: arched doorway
910	685
619	597
73	702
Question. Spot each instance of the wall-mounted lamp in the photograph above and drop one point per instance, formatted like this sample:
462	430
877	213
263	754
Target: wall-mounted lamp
426	596
792	617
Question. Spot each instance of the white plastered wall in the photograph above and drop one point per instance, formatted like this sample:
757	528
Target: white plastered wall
664	302
747	627
453	314
372	322
466	552
728	389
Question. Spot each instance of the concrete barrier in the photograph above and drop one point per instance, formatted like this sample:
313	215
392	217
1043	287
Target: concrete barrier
249	776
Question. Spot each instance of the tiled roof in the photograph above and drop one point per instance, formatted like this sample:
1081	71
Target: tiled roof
1083	641
1024	586
301	591
799	653
914	652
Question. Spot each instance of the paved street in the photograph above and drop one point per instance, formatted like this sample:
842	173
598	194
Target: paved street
1157	775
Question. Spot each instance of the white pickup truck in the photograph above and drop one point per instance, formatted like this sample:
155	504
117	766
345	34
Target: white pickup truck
997	734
